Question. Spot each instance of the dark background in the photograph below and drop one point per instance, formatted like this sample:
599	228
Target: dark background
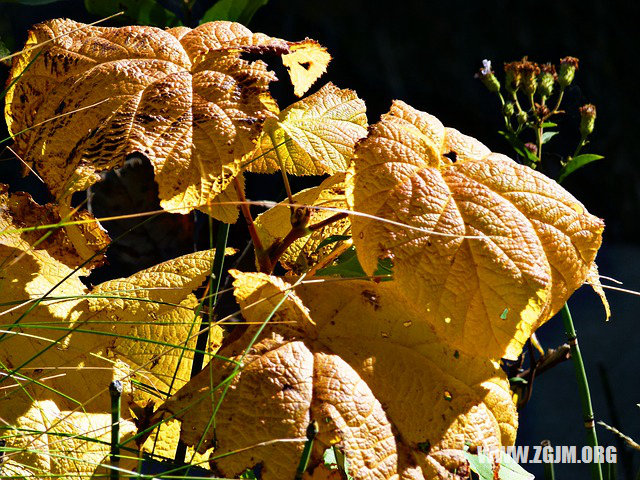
426	54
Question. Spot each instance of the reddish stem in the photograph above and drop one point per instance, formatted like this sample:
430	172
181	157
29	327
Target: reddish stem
257	243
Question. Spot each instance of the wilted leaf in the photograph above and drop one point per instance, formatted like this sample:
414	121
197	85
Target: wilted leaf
183	98
593	279
70	244
371	373
274	224
471	232
68	347
307	61
313	136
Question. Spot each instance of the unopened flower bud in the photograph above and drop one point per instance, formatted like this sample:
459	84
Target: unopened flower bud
546	79
531	147
587	119
522	117
568	67
529	71
487	77
512	76
508	109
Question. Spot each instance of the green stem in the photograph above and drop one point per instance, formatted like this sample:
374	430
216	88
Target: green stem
507	122
583	142
203	335
549	472
555	109
583	389
516	102
115	390
312	432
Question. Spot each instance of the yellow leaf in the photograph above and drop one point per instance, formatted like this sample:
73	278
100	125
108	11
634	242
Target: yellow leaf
313	136
70	244
185	99
306	62
471	233
261	293
67	348
371	373
48	441
274	224
593	279
224	206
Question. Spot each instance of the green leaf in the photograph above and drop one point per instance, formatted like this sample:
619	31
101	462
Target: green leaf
348	266
509	468
518	380
518	146
549	125
546	136
341	461
4	52
144	12
332	239
334	458
576	163
249	473
233	10
329	457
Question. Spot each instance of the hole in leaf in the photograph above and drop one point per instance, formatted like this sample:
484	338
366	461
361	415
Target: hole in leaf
451	156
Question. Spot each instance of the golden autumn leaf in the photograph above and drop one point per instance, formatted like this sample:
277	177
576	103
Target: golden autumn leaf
306	62
374	376
313	136
53	442
185	99
274	224
72	244
471	234
64	344
593	279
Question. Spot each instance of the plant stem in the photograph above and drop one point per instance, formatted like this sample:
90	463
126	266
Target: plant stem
583	389
507	122
246	212
555	109
312	432
539	142
549	472
277	249
583	142
203	335
115	390
514	96
285	179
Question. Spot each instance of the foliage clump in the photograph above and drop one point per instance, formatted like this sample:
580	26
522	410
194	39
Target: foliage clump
476	252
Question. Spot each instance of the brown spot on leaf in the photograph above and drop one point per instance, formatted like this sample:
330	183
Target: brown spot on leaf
371	298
